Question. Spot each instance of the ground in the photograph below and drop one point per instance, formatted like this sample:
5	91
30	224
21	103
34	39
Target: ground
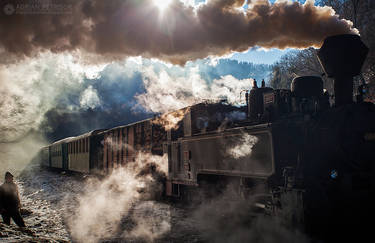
52	196
62	211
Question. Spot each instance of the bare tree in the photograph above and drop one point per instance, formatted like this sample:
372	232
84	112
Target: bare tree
305	62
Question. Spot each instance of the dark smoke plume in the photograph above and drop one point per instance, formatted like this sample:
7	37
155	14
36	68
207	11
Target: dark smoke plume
118	28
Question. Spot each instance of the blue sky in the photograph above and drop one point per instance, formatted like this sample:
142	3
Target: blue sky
260	55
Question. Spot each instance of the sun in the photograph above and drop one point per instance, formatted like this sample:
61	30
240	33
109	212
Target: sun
162	4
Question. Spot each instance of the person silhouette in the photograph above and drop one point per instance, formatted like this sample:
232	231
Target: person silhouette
10	201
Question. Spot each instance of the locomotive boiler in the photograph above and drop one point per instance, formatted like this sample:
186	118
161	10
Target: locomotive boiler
296	155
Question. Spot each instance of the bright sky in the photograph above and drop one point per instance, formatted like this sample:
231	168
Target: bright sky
260	55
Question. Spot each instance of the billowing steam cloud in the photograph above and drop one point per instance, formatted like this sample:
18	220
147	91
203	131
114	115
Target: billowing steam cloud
31	87
118	28
104	204
165	94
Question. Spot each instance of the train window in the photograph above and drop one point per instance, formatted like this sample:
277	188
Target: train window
87	145
120	145
111	147
179	158
118	150
113	143
84	145
124	143
76	146
169	158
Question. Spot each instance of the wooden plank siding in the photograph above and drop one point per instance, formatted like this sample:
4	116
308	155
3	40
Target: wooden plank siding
123	144
78	155
105	153
120	146
130	145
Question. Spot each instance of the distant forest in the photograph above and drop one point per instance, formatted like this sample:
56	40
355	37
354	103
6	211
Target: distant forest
239	70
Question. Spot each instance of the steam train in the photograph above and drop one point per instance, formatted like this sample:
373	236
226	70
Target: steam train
296	155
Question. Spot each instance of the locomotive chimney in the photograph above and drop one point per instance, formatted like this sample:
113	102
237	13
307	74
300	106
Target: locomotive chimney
342	57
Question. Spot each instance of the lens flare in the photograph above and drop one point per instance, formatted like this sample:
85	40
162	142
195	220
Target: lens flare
162	4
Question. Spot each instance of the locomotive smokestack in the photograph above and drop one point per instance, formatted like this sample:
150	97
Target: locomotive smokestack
342	57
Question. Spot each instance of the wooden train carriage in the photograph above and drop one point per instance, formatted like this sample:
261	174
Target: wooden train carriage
44	156
202	118
80	155
159	136
123	144
58	154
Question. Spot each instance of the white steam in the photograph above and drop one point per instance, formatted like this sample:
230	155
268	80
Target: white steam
165	93
104	204
243	147
29	88
89	98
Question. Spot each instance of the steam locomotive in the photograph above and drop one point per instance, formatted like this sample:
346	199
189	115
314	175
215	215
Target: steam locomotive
297	156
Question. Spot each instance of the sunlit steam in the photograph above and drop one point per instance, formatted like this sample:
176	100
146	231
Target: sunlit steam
165	94
162	4
171	120
105	203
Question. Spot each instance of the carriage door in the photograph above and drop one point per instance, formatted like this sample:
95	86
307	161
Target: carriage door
65	156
